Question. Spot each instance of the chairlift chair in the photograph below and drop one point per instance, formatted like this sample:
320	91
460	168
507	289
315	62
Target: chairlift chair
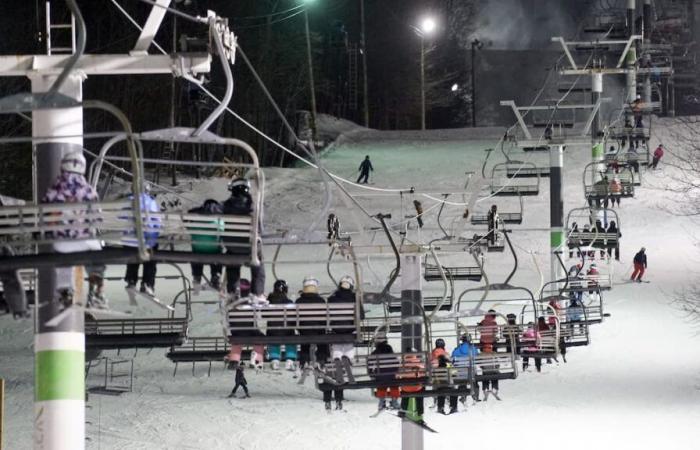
510	190
515	218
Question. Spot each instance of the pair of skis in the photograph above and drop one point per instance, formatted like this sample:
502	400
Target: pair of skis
421	423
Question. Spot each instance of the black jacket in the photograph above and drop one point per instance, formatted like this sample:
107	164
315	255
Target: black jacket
641	258
345	296
278	298
240	377
366	166
240	205
305	298
381	371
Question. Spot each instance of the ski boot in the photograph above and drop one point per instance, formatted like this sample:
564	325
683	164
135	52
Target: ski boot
339	405
215	282
453	410
328	406
148	290
441	411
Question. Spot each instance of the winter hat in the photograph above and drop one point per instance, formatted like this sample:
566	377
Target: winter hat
380	337
73	162
347	282
310	285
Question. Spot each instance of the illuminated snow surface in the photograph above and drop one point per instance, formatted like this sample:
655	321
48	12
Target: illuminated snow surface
635	386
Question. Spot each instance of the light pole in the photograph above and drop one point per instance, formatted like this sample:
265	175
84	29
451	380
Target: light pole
311	72
427	27
363	50
476	45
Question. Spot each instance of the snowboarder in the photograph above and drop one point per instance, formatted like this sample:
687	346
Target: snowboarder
241	203
640	265
148	278
364	170
658	154
247	329
13	289
309	295
71	187
240	382
278	296
441	358
383	368
207	244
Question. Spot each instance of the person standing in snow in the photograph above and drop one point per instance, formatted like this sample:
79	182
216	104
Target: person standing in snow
278	296
640	265
240	382
240	203
71	187
365	168
658	154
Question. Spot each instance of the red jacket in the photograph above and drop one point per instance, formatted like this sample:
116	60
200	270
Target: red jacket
659	152
436	354
488	329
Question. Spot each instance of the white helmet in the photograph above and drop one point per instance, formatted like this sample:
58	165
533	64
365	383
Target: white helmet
347	283
310	285
73	162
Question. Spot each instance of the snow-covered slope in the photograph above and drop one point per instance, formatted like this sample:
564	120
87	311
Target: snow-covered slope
635	386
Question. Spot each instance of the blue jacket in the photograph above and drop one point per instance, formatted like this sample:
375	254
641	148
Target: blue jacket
151	225
465	350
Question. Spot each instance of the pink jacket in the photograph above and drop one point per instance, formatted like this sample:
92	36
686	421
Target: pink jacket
659	152
529	340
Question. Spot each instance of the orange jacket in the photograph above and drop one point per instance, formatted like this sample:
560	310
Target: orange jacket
412	368
436	354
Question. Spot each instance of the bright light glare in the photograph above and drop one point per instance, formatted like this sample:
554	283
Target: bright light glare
428	25
455	87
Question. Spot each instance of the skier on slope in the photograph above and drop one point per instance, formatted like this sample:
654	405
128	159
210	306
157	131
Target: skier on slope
365	168
439	357
240	382
278	296
71	187
640	265
658	154
342	354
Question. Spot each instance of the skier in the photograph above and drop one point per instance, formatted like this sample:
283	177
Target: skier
492	220
512	333
465	351
640	265
614	245
543	328
384	368
615	192
241	203
530	341
240	382
333	225
365	168
637	107
13	289
439	357
658	154
342	354
309	295
488	329
71	187
278	296
151	225
412	368
247	329
207	244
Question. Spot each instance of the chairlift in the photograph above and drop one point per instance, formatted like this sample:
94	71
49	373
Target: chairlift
510	190
599	191
593	238
515	218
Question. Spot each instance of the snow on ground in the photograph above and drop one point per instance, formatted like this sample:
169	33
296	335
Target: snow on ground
636	386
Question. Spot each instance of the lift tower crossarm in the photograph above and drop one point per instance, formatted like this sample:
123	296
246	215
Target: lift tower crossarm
150	28
627	43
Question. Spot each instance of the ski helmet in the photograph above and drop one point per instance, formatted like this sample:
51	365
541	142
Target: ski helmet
280	286
73	162
310	285
440	343
347	283
465	338
239	186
